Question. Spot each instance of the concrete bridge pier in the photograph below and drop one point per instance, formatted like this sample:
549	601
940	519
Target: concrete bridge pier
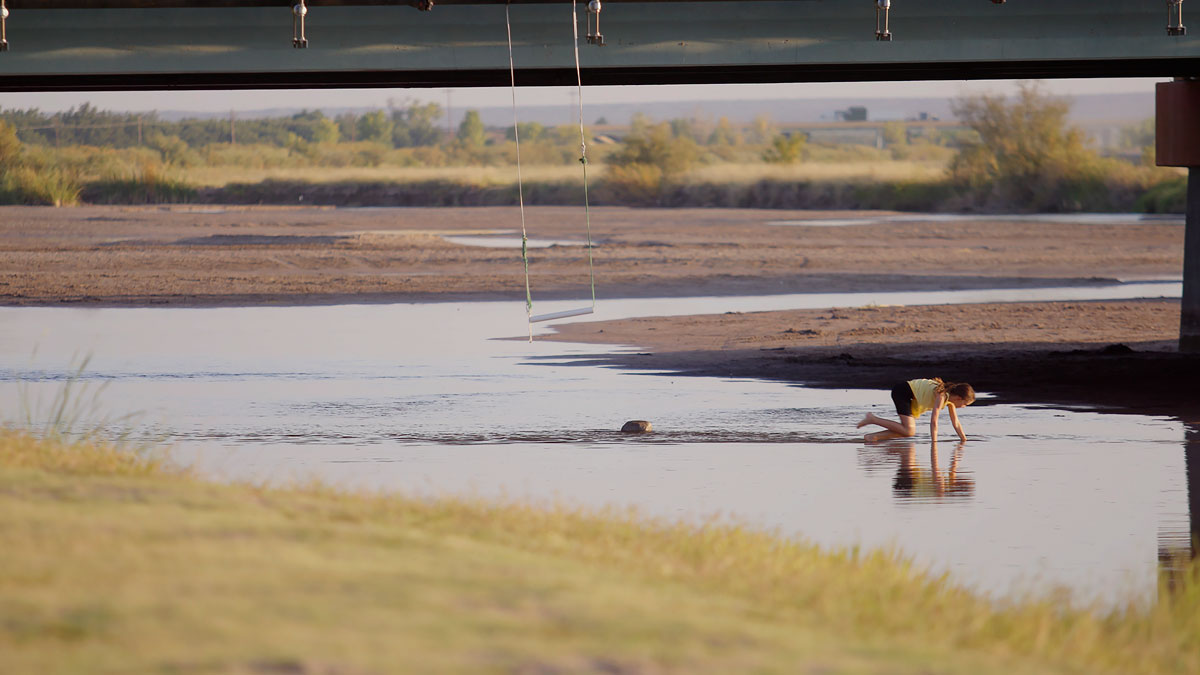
1177	117
1189	320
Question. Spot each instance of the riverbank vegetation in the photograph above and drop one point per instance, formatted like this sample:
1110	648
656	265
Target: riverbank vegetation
115	561
1018	154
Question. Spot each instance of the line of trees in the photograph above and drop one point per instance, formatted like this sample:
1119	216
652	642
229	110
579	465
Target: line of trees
409	126
414	125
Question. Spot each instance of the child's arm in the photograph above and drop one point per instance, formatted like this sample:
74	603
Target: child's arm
938	403
954	421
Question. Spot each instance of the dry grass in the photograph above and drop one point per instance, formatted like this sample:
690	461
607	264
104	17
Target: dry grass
470	175
888	170
882	170
114	563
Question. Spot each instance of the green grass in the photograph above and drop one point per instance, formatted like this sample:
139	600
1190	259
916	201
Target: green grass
115	562
49	187
146	186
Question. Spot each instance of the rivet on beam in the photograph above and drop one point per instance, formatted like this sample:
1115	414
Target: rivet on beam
299	11
882	7
1175	18
593	34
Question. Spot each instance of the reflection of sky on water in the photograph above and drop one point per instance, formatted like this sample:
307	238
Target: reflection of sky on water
1065	218
416	397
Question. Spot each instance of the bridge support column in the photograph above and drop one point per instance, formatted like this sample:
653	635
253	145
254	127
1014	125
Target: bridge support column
1189	318
1177	115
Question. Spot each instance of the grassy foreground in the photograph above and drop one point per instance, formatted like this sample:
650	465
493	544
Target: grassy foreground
114	562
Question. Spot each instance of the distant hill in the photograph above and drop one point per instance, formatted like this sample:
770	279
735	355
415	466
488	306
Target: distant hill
1087	109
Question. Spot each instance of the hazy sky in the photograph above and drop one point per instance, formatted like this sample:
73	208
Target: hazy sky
213	101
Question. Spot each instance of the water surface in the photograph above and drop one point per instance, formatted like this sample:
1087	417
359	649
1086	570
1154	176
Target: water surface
420	398
1066	218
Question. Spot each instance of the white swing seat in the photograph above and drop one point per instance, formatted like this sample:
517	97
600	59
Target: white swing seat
561	315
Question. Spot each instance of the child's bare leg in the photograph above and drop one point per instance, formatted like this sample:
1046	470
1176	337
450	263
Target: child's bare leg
906	427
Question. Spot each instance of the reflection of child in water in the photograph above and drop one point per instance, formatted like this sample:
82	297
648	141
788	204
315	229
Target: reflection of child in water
913	398
914	482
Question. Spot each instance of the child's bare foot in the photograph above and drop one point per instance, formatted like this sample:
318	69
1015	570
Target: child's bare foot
877	436
865	421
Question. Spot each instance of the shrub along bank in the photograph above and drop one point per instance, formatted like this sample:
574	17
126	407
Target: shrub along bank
1092	194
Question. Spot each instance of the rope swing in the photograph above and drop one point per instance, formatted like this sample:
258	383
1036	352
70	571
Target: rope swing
520	185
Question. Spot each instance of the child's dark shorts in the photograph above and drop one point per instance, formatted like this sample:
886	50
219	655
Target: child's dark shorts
902	396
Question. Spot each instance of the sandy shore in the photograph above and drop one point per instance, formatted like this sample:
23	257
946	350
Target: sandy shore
1021	352
248	255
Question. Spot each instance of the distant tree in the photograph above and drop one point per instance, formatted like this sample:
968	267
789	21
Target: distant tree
347	126
10	147
310	125
1139	135
684	128
657	146
376	127
725	134
894	133
786	149
529	131
640	123
24	120
762	130
325	131
471	131
416	125
600	121
1019	142
563	134
174	150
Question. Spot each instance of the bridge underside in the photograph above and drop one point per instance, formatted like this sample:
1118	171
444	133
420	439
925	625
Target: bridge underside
127	44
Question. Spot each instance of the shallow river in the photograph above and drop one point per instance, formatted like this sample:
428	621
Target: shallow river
420	398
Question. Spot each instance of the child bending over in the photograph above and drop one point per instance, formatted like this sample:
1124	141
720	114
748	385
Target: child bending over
913	398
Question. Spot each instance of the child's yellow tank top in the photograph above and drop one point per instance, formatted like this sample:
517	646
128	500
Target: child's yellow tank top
924	395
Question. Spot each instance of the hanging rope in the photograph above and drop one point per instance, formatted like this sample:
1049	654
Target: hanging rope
583	150
512	74
520	185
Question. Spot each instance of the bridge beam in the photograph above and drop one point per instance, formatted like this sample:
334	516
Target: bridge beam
73	45
1177	118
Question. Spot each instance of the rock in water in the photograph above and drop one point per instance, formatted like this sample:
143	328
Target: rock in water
637	426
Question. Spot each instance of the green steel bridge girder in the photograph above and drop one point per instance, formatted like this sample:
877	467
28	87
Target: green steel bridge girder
137	44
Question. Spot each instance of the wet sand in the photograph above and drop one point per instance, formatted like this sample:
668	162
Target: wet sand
1020	352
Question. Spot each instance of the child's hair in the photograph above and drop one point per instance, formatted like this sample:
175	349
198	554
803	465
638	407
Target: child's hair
960	389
